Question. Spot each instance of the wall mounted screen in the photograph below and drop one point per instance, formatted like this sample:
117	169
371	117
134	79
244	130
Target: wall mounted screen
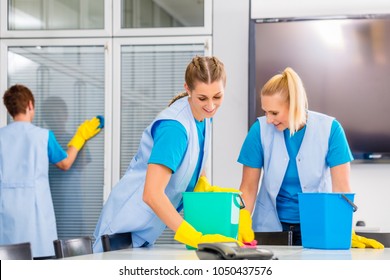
345	67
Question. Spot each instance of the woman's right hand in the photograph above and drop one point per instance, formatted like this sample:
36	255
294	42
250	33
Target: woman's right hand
188	235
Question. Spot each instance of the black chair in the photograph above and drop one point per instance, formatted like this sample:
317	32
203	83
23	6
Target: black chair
19	251
44	258
116	241
274	238
64	248
382	237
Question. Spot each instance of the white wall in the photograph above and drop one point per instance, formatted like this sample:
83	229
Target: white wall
308	8
230	44
370	182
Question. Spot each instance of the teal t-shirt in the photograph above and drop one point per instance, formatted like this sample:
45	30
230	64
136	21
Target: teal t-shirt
252	155
170	145
54	150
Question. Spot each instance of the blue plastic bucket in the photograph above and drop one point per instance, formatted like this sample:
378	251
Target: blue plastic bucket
326	220
213	212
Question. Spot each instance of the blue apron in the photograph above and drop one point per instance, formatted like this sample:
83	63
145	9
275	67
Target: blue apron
125	210
26	206
313	172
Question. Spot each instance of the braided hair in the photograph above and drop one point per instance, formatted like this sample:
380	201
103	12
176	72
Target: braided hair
204	69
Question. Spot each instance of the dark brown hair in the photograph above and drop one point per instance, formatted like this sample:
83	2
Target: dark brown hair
17	98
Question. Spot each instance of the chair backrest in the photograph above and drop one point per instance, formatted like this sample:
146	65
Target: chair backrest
116	241
274	238
64	248
20	251
382	237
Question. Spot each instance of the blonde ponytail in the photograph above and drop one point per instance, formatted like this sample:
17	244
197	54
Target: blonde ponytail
290	87
298	100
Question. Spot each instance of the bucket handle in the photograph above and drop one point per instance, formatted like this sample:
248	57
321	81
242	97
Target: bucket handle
242	204
350	202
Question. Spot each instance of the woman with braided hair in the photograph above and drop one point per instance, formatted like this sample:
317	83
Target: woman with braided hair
170	159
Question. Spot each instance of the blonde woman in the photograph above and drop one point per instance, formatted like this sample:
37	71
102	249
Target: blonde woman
295	150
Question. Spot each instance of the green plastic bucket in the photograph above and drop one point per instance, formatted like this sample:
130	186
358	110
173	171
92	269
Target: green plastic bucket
326	220
213	212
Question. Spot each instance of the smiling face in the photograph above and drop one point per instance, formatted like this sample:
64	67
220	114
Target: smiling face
205	99
276	110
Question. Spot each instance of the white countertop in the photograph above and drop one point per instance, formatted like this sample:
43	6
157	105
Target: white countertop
179	252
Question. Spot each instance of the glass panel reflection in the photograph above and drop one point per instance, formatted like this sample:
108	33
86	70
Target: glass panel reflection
68	86
150	76
162	13
55	14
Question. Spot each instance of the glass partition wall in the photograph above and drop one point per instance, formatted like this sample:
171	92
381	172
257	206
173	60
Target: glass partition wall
68	83
55	14
151	75
162	13
81	59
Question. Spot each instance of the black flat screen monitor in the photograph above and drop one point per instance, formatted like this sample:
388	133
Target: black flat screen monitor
345	67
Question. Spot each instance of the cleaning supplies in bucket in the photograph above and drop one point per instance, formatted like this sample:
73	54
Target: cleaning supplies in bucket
326	220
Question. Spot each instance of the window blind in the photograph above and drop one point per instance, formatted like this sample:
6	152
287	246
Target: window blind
150	77
68	86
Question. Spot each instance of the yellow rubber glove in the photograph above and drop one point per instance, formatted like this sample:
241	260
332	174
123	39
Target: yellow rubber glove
245	231
85	131
203	185
188	235
363	242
